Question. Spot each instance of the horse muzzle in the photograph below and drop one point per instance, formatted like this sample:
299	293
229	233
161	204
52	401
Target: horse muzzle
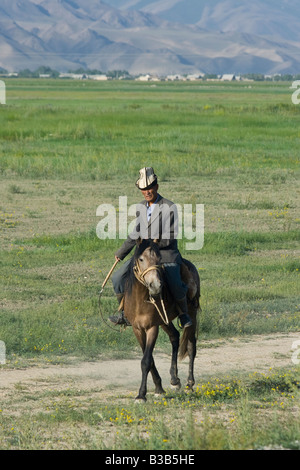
154	287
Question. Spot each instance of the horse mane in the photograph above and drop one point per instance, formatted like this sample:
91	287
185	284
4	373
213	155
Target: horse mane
140	248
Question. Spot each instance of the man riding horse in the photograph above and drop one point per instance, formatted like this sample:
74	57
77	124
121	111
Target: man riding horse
157	220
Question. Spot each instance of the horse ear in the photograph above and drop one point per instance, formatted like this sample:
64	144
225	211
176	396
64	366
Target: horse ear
139	241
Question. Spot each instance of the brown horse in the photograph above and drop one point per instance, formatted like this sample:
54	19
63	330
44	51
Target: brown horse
145	282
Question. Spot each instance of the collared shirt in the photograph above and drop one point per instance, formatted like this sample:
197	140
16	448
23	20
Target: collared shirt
151	208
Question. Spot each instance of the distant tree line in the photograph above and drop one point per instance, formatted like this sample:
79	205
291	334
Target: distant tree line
115	74
46	70
110	73
43	70
259	77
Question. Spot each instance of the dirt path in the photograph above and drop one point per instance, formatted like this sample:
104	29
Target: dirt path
256	353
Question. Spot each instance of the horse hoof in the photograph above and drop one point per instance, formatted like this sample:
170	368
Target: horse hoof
176	387
159	394
140	400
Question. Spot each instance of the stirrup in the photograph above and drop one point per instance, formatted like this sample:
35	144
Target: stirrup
184	320
119	319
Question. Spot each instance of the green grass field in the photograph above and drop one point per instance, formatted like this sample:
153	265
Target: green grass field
67	147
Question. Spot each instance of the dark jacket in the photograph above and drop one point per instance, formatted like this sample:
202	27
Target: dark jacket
161	217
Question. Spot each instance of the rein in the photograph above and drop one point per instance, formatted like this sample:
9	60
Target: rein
140	276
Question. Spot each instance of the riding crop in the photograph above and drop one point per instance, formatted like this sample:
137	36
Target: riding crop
109	274
100	293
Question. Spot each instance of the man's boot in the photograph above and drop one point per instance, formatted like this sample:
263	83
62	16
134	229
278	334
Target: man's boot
120	319
184	318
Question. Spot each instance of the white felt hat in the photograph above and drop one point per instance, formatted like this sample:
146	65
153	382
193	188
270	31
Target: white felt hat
147	178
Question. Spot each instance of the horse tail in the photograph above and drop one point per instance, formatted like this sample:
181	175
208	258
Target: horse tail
190	334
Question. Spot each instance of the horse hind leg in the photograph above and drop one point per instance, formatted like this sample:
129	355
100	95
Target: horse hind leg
188	347
191	347
156	379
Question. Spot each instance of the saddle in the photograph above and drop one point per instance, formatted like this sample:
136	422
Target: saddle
188	274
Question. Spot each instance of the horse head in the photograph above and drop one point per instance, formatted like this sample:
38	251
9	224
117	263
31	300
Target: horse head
147	266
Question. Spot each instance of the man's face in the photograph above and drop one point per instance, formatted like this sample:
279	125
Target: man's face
150	194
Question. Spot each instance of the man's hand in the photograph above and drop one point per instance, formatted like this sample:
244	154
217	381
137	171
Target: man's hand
117	259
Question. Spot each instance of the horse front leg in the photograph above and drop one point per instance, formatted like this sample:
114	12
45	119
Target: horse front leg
174	336
147	363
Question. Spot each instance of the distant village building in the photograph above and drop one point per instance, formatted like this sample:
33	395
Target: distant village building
74	76
9	74
99	78
147	78
173	78
84	76
195	76
143	78
228	78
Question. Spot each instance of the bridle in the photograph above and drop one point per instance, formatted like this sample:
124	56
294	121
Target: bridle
140	276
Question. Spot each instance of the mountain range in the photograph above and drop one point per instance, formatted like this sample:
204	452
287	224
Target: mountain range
269	18
152	36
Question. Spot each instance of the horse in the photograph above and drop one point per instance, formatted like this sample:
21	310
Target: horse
148	305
